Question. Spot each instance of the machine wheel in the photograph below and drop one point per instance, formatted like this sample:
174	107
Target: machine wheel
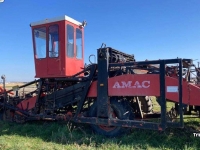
120	110
146	104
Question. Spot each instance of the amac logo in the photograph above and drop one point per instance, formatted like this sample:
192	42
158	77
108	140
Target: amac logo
129	84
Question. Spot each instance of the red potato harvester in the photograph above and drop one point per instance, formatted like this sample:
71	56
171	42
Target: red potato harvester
112	95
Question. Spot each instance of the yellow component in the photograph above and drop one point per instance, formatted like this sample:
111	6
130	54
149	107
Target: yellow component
101	84
15	88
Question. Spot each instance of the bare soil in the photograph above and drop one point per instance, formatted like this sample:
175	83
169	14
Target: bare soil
21	91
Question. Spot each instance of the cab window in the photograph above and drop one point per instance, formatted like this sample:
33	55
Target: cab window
40	42
78	44
70	41
53	41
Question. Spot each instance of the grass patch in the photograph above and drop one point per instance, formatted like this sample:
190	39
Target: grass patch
53	135
66	136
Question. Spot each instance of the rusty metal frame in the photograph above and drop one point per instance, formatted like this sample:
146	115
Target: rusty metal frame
102	99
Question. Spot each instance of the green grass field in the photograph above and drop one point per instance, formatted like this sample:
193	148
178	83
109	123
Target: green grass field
64	136
54	135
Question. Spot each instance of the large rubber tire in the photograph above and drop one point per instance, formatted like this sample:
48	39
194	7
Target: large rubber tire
121	110
146	104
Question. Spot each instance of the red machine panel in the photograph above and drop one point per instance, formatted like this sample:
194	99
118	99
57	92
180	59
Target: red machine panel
149	85
191	92
131	85
27	104
140	85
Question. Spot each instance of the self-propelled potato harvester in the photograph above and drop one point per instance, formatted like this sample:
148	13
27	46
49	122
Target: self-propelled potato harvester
113	94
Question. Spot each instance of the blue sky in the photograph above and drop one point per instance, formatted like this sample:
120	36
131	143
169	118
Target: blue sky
149	29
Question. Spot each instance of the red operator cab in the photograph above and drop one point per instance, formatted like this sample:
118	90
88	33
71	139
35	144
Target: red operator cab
58	45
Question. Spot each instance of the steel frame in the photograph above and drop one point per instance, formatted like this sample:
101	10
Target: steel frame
103	99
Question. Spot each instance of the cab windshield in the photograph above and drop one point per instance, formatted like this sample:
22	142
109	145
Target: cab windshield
41	38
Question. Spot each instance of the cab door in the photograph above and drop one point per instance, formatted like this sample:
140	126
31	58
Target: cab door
53	62
40	40
79	49
74	46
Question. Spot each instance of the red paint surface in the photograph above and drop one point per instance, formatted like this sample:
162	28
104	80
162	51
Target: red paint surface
153	89
61	66
93	90
191	93
27	104
4	90
140	85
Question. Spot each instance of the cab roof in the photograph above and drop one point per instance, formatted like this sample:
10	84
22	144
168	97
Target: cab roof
55	20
